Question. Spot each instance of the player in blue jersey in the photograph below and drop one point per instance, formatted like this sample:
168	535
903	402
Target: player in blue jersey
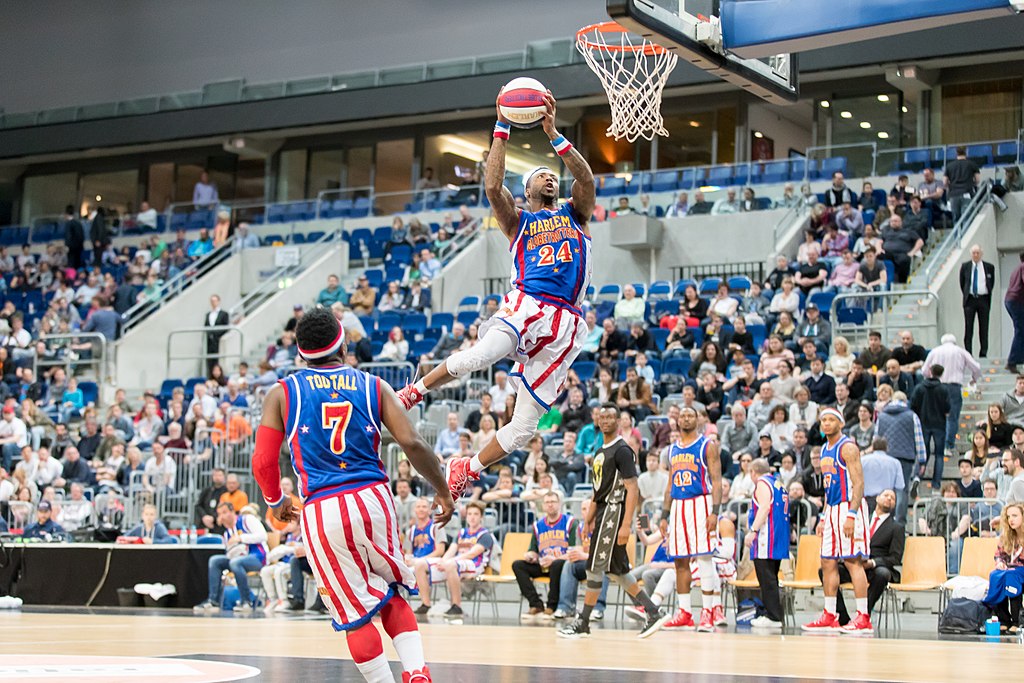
333	416
693	501
844	526
424	538
540	324
768	538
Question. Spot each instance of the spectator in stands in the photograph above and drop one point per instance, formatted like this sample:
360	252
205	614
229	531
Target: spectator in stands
844	274
844	405
205	508
204	193
430	266
780	429
332	293
396	348
104	320
863	431
13	436
125	473
447	443
74	237
550	542
1004	582
784	327
809	246
850	221
244	239
700	205
875	355
693	307
99	235
653	481
781	271
901	245
811	275
899	380
901	192
838	193
810	352
858	382
833	244
576	412
680	207
786	300
160	471
814	328
967	485
901	428
962	177
636	396
151	530
392	299
784	384
958	366
760	409
569	466
202	246
475	416
916	219
822	387
738	436
789	198
729	204
246	531
44	528
233	493
623	208
1012	402
871	275
75	470
613	342
606	389
364	298
723	304
749	201
417	299
630	307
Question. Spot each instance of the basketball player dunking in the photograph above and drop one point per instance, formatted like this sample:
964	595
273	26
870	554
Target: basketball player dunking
333	416
844	526
693	501
540	324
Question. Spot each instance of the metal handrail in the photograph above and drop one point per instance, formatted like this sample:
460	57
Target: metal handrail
828	150
322	195
883	325
953	239
54	340
786	219
204	355
270	282
175	285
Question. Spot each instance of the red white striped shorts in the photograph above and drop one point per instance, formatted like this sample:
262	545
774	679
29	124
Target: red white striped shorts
833	543
354	551
688	533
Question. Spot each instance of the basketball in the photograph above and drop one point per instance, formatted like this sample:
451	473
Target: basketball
522	101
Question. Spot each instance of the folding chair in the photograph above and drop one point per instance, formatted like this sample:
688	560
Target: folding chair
513	548
924	570
805	576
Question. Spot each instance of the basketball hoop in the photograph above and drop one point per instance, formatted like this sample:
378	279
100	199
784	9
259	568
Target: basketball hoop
633	71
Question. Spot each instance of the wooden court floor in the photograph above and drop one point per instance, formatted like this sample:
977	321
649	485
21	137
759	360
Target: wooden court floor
504	653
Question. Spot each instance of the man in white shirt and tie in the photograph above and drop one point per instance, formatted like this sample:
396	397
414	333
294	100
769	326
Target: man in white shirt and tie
977	279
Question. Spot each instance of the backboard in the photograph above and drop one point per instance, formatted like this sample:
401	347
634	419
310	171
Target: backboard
698	40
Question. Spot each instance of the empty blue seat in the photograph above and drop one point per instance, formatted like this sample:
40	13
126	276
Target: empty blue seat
441	323
774	172
414	324
375	276
609	293
663	308
851	316
420	347
980	154
1006	152
682	285
798	169
691	177
388	320
677	365
467	318
663	181
585	370
360	208
660	336
400	254
739	283
660	289
369	324
612	186
709	285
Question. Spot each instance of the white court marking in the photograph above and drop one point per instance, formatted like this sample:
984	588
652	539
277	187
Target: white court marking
16	667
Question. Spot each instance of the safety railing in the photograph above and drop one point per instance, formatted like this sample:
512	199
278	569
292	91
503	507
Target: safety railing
787	219
955	519
857	160
395	374
200	357
175	285
873	311
508	515
75	351
939	256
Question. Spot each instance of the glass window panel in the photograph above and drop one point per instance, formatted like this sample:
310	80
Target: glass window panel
160	186
116	191
325	170
48	195
291	176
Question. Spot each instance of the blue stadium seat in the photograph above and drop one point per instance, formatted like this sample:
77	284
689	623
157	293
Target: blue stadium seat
467	318
664	181
980	154
385	321
586	370
369	324
421	347
609	293
824	302
797	169
851	316
681	287
375	276
393	273
660	290
273	238
709	285
691	177
1006	152
660	336
677	365
759	332
414	324
315	236
360	208
400	254
775	172
190	384
167	389
663	308
914	160
720	175
739	283
382	234
441	323
468	303
611	186
640	288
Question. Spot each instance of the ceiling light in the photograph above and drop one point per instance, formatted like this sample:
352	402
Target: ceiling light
846	114
694	124
882	135
758	134
826	104
550	155
99	198
865	124
883	98
905	110
526	145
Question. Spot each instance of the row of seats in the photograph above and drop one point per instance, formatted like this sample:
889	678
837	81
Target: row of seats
986	154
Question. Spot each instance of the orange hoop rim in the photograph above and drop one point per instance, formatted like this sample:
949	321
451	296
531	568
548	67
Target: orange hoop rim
647	48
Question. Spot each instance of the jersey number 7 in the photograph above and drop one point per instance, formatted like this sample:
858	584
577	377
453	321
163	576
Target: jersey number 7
336	417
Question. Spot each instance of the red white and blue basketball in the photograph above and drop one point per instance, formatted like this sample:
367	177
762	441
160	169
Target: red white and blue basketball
522	101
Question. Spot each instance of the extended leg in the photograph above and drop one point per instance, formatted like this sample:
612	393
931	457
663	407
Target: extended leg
400	623
367	650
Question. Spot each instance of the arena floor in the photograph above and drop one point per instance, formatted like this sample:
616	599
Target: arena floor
125	645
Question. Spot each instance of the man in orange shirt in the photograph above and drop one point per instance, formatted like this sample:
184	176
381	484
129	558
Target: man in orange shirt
234	495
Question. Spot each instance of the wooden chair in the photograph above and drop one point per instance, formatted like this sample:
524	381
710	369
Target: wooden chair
978	557
924	569
805	575
513	547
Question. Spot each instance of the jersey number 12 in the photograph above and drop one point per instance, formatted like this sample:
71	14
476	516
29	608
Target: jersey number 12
336	417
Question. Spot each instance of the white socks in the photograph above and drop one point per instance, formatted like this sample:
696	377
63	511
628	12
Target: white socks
862	605
714	600
684	602
475	465
830	604
376	670
420	387
409	646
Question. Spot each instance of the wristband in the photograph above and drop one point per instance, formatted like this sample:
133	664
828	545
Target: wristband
502	130
561	145
851	515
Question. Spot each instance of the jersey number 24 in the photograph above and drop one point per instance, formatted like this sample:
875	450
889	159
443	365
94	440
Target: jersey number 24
336	417
548	255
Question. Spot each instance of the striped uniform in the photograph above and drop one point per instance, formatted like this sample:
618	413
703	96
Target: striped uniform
688	535
551	269
724	557
244	524
423	540
838	490
772	542
349	519
465	542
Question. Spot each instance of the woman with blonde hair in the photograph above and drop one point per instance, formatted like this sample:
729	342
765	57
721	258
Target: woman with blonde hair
1004	583
883	395
841	360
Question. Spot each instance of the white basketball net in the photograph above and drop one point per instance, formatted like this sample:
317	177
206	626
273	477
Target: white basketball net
633	71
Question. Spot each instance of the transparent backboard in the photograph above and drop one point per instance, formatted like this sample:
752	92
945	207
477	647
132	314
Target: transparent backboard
698	40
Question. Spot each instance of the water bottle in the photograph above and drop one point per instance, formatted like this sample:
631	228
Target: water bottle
192	535
992	627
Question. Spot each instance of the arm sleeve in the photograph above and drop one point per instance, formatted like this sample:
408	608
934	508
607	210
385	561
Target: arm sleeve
265	466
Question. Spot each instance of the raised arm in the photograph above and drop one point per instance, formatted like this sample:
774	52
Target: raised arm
583	190
502	203
396	419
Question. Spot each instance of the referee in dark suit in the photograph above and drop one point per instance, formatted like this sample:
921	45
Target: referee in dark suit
886	550
977	279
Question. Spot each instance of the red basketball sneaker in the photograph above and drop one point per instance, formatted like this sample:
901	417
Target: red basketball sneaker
682	621
826	622
718	616
409	396
859	625
419	676
707	622
458	474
